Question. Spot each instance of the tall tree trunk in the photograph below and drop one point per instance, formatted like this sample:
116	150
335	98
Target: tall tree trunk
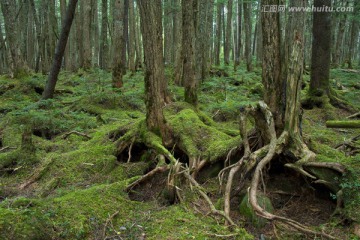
86	33
238	42
53	28
60	49
228	39
340	37
18	66
104	35
177	32
138	48
320	60
31	40
95	33
126	34
79	34
67	49
188	51
3	53
38	36
155	83
118	44
218	35
168	35
271	64
248	27
354	34
209	42
132	40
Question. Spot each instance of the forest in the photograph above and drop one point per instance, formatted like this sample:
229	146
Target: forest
179	119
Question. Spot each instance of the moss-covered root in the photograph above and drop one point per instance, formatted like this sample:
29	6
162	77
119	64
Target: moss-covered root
343	124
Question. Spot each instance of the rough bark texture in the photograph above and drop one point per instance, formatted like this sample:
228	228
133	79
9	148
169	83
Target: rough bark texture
248	26
104	48
188	51
177	32
271	64
228	39
151	27
168	36
320	60
132	41
118	45
18	66
86	31
60	49
218	35
340	36
238	42
67	49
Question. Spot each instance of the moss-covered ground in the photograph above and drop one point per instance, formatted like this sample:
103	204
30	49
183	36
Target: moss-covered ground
72	187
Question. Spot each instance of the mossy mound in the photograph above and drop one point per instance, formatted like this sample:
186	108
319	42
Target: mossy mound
247	211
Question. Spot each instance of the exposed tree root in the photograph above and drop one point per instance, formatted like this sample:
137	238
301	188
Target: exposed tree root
251	162
266	154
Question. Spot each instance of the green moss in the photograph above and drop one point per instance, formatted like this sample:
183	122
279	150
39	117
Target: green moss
247	211
199	139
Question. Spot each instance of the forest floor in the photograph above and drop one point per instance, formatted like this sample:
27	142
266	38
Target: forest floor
61	176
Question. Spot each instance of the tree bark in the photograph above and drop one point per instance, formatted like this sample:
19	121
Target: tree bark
343	124
271	64
95	33
151	27
60	49
188	51
86	33
118	44
248	27
218	34
177	32
103	57
168	36
228	39
132	40
238	42
320	60
340	36
67	49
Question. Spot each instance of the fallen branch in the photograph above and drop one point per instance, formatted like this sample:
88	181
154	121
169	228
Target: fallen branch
146	176
354	115
39	172
66	135
343	124
6	148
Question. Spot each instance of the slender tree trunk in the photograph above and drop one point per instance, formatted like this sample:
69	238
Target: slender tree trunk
53	28
177	32
354	34
238	42
209	42
218	33
60	49
95	33
138	48
340	37
168	35
151	27
3	53
86	33
67	49
118	45
248	26
104	35
132	40
126	34
228	39
31	40
271	64
320	60
188	51
18	66
38	36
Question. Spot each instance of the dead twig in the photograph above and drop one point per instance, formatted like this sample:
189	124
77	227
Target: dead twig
6	148
107	222
66	135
